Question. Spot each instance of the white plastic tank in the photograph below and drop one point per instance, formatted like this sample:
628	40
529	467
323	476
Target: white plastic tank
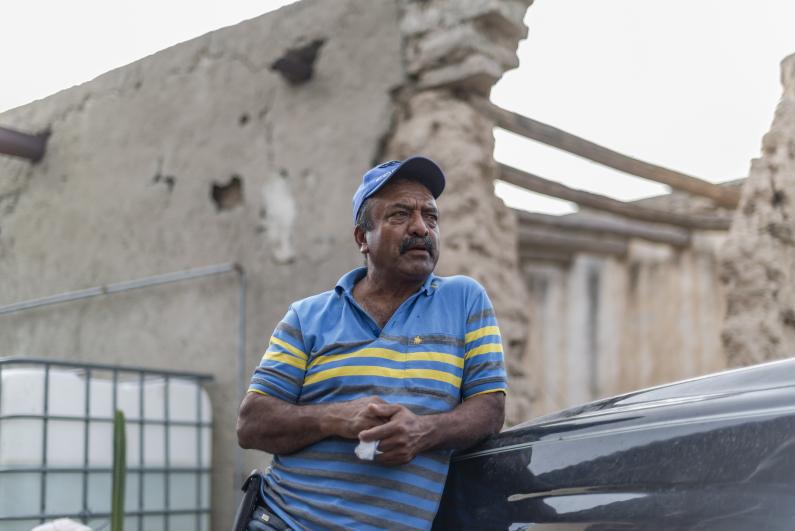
61	435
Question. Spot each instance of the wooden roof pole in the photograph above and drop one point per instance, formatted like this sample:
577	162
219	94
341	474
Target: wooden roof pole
540	185
593	225
534	239
552	136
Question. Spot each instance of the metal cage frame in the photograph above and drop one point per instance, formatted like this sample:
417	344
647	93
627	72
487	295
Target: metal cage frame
141	374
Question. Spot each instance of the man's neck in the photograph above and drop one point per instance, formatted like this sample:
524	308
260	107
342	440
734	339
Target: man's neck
380	298
375	285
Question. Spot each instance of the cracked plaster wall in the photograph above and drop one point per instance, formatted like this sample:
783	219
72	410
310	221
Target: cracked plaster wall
125	191
758	263
605	325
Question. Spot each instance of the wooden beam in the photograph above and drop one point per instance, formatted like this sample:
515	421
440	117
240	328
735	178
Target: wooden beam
540	185
534	239
598	225
552	136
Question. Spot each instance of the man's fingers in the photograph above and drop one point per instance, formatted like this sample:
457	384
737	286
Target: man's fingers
388	444
378	433
371	434
384	410
397	457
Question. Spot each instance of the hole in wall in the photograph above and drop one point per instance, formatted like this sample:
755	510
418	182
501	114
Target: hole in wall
169	180
297	64
788	317
229	195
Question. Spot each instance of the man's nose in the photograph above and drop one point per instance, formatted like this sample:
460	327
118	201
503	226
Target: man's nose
418	227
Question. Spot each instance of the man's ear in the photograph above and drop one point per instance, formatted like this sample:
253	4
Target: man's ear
360	236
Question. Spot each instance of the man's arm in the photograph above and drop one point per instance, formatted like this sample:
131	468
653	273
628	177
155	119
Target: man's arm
278	427
405	434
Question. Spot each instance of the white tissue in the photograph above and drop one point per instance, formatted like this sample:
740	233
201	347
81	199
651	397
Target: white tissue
62	524
367	450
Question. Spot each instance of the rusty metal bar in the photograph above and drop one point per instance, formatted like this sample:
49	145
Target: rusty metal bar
22	145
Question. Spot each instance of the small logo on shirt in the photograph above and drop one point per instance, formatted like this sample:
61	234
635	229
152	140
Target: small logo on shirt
417	340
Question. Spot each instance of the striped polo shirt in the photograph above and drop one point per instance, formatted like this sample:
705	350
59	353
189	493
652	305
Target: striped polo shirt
440	347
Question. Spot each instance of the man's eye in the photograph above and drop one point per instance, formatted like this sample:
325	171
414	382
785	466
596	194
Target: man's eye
400	215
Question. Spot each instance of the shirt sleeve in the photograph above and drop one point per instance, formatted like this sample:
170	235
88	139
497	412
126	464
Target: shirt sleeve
281	371
484	366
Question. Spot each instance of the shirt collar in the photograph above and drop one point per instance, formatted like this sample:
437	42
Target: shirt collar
349	279
429	285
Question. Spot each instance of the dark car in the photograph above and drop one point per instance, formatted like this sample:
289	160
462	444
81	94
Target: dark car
712	453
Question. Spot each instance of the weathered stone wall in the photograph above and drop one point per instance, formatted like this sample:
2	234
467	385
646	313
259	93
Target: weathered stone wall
457	50
758	265
126	190
245	145
600	326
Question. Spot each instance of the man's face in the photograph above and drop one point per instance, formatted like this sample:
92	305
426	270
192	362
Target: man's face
404	242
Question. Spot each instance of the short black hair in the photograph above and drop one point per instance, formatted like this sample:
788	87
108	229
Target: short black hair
364	220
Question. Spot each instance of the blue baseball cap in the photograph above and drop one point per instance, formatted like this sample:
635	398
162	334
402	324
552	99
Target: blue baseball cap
420	169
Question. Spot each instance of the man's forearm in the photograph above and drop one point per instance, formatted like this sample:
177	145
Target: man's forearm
469	423
274	426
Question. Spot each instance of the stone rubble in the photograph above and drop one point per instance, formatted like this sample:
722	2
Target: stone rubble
758	263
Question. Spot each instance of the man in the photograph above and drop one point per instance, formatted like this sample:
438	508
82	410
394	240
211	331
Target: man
393	354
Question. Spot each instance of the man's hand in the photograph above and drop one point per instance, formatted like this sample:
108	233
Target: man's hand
405	434
349	419
402	437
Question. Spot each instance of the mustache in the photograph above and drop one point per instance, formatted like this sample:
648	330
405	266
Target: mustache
416	241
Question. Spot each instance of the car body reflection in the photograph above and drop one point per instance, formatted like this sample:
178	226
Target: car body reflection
711	453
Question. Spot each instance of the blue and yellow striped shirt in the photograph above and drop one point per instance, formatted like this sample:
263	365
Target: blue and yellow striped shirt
440	347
